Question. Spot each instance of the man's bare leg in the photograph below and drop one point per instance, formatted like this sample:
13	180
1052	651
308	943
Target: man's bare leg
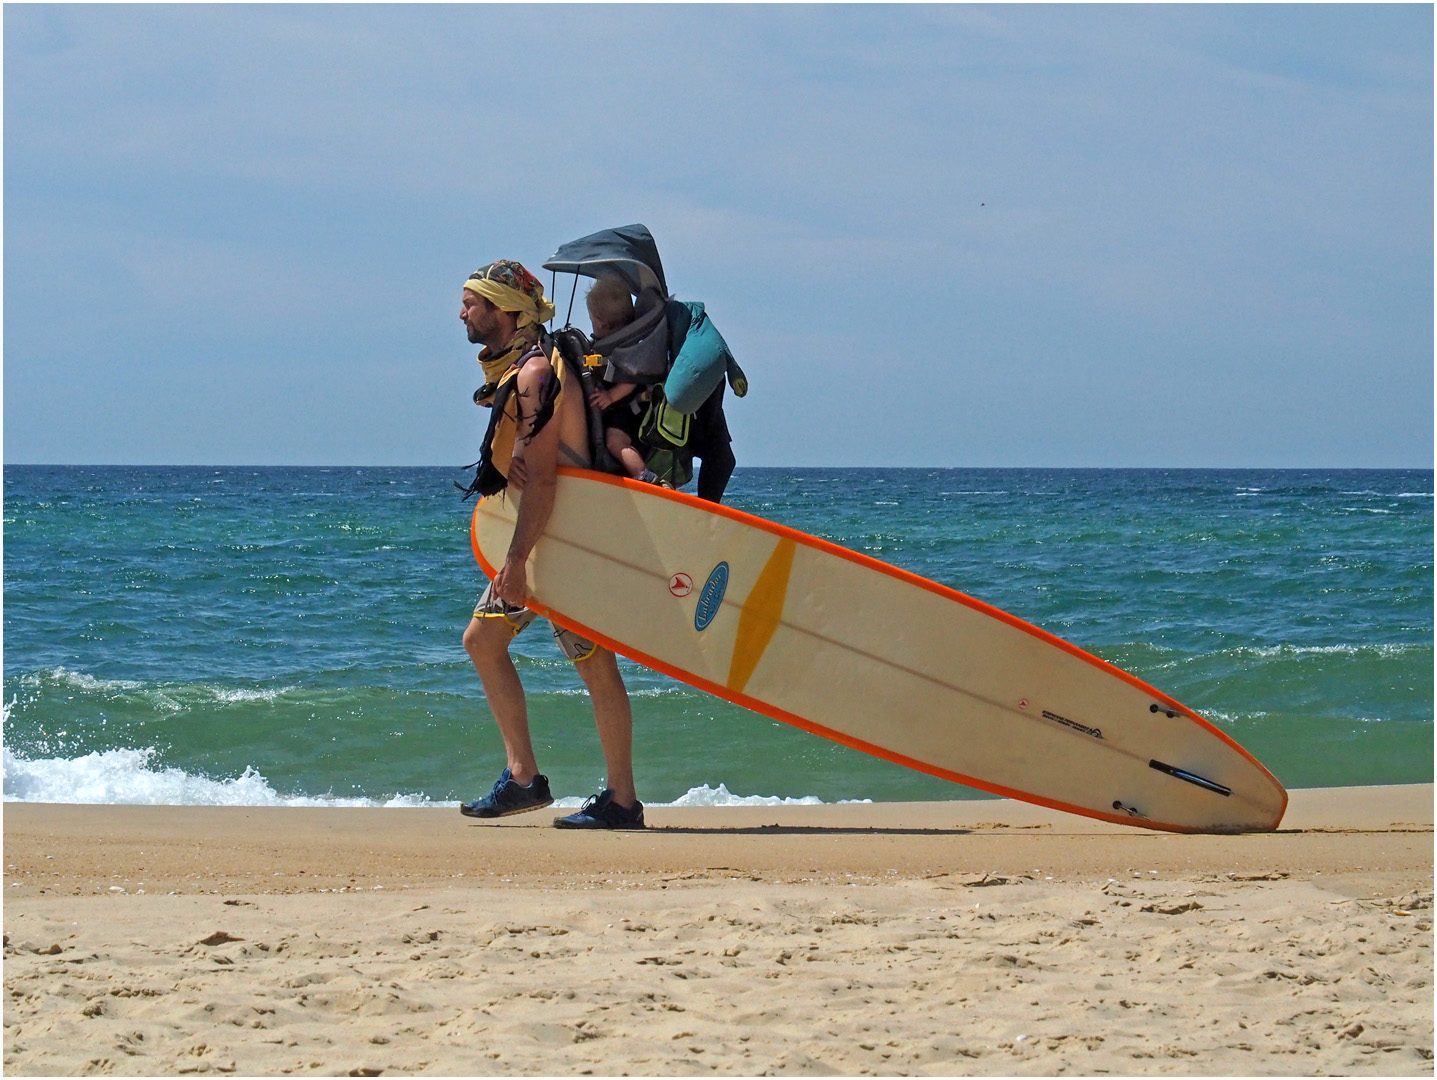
487	643
615	721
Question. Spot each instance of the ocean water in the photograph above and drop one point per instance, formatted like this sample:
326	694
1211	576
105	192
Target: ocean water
267	635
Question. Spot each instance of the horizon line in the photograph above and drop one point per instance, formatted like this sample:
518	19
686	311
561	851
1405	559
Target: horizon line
845	468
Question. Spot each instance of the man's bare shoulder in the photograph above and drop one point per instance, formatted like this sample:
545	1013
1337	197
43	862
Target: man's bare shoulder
536	368
533	372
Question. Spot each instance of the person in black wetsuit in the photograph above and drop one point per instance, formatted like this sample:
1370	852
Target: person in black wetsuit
709	441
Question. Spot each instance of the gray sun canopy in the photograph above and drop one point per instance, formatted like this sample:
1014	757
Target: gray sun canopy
628	253
638	352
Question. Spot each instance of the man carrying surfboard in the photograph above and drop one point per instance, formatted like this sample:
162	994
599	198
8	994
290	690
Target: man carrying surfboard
538	419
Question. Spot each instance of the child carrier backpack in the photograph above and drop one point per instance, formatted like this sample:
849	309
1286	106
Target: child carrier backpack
670	345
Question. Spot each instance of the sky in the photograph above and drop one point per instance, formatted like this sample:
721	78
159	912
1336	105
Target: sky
981	236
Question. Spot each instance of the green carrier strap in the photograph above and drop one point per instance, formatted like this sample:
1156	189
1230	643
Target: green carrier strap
664	426
665	431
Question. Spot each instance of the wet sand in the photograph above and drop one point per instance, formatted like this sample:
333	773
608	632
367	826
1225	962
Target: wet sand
965	937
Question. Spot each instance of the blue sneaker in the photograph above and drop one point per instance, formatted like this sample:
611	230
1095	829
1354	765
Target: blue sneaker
601	812
509	797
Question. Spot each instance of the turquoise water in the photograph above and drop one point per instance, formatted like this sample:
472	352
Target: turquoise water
260	635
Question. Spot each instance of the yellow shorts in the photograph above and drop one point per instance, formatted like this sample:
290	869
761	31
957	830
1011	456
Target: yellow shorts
489	606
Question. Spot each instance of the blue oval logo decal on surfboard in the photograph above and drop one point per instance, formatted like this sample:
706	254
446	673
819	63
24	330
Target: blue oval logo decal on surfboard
711	596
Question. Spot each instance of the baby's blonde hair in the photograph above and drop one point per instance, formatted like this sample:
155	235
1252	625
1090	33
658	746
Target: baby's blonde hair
610	302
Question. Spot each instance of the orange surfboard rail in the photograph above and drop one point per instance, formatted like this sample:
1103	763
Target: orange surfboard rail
736	696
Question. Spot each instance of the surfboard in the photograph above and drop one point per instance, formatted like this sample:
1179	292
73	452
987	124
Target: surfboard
874	657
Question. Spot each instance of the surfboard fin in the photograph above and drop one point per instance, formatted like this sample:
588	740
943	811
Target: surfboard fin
1191	778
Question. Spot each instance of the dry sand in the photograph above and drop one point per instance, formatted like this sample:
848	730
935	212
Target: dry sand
942	938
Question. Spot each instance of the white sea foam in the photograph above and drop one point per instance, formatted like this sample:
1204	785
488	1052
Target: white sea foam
721	796
132	777
1267	651
232	697
78	680
1219	717
169	698
676	690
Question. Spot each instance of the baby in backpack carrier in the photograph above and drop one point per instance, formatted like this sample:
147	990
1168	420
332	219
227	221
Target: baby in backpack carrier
611	308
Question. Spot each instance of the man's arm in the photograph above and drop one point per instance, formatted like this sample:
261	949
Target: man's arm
537	461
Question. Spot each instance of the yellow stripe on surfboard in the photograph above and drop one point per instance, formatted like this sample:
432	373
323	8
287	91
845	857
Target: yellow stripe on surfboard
759	616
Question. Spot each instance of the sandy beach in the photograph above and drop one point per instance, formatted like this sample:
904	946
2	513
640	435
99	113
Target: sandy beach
940	938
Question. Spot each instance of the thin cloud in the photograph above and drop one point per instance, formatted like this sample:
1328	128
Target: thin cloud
1094	212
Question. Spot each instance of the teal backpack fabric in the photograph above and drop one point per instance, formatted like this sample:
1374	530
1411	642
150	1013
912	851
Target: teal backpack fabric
701	358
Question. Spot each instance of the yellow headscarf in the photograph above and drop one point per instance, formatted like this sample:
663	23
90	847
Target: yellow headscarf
509	287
